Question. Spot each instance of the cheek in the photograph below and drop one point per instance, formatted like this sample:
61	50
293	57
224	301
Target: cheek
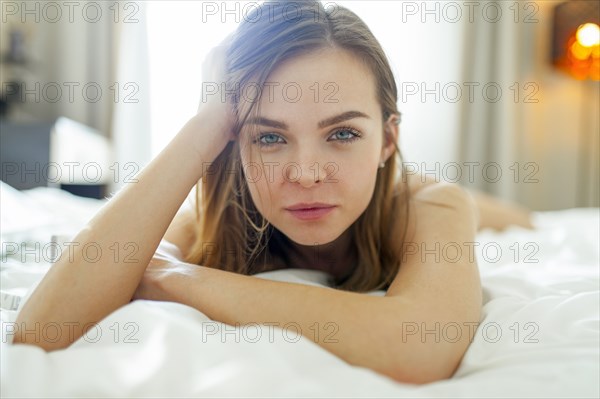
359	178
360	166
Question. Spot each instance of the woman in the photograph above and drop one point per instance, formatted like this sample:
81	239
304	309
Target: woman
320	131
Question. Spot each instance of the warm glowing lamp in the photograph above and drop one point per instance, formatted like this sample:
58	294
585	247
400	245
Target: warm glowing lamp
588	35
576	39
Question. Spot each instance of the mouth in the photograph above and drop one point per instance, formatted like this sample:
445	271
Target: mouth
312	213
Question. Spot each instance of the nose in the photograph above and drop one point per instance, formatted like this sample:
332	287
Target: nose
307	172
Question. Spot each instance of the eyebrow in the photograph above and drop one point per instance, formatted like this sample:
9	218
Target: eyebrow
322	124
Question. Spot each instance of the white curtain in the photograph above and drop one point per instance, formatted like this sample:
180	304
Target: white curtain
131	129
180	34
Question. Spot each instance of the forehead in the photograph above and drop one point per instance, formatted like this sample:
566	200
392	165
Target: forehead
319	84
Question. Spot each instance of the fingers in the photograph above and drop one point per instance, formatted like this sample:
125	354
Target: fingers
213	67
227	41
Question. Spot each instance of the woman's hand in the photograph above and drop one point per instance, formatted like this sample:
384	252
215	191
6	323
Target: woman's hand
163	266
153	285
215	117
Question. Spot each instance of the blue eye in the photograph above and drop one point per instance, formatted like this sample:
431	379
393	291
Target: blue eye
354	135
271	138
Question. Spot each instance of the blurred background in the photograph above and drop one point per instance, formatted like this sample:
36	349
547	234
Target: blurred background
502	96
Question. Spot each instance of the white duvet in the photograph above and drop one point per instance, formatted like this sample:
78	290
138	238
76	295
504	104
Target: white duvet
539	335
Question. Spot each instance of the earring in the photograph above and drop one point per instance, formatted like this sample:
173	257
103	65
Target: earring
381	164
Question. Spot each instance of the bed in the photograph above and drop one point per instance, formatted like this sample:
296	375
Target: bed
539	335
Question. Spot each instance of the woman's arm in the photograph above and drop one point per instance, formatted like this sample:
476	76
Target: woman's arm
78	289
397	335
363	330
499	214
82	288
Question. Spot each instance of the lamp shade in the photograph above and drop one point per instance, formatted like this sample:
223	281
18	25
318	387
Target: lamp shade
576	38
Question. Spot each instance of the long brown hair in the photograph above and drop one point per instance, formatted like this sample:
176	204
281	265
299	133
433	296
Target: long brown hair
232	235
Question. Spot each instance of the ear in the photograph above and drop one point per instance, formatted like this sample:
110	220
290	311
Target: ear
391	130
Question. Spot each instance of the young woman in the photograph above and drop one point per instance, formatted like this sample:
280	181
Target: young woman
298	167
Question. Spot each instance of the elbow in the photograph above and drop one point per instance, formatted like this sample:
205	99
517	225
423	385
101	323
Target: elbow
421	373
46	345
418	378
420	362
49	336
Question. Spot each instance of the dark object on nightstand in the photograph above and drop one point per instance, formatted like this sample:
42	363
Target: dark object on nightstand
24	153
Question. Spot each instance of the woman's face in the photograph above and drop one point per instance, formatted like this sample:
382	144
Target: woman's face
320	140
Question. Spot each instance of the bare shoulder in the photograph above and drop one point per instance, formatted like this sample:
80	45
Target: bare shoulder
417	182
429	196
426	187
440	214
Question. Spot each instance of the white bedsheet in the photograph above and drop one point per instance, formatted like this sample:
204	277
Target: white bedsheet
547	313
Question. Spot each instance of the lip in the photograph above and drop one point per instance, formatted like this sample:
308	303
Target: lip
310	211
308	205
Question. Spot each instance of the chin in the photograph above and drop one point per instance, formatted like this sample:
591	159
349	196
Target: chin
310	238
310	241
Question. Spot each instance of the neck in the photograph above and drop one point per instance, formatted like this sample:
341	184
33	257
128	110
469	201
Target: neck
336	257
